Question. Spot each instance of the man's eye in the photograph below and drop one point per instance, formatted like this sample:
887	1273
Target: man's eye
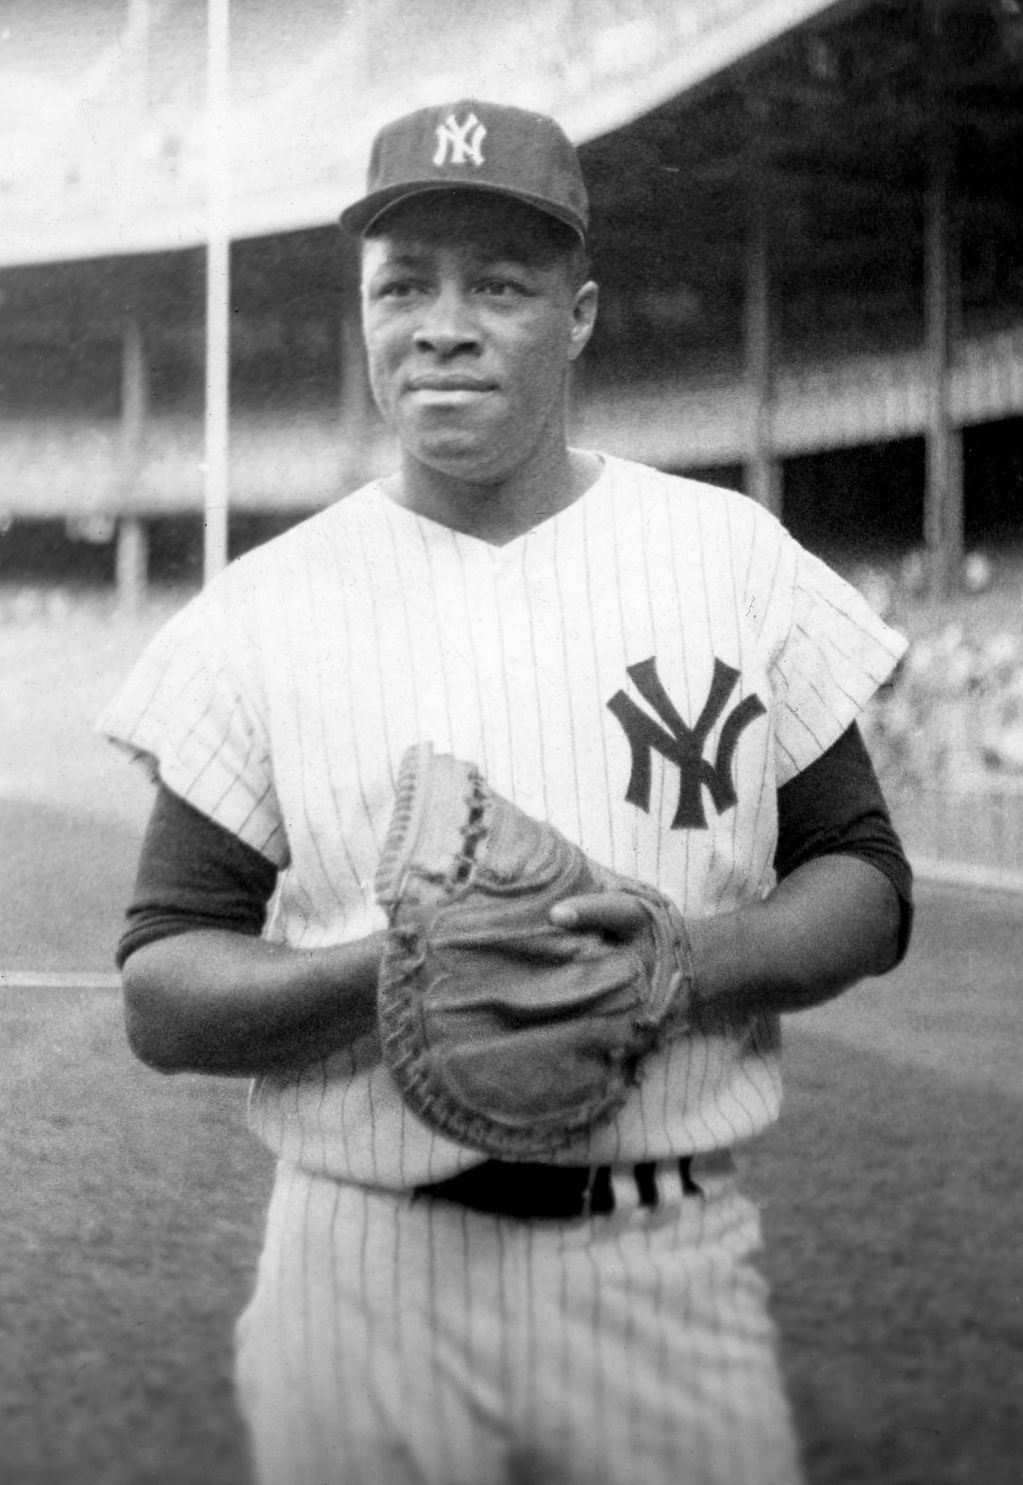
502	288
399	288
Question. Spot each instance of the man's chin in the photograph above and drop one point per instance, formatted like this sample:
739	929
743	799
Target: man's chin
462	459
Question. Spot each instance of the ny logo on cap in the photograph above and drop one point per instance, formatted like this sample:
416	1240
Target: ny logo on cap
460	144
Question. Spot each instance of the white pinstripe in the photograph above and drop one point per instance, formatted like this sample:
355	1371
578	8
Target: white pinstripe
280	703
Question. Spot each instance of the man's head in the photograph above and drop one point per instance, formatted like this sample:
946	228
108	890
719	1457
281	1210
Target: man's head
476	291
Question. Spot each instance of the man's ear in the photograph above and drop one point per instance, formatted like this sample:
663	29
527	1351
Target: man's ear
584	317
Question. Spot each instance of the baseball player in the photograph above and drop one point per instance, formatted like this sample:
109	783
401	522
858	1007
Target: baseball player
652	666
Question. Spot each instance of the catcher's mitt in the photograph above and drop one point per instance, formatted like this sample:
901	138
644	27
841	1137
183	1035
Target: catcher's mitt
503	1030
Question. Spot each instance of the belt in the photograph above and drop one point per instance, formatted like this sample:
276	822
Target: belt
554	1192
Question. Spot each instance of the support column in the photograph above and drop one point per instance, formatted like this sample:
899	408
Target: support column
132	563
943	493
131	571
218	293
132	534
763	471
356	408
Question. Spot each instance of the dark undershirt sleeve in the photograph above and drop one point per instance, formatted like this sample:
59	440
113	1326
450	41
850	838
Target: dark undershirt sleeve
195	874
836	807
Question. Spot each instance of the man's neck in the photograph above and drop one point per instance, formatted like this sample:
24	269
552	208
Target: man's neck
500	512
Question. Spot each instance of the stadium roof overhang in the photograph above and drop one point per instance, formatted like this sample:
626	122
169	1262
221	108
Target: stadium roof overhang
114	161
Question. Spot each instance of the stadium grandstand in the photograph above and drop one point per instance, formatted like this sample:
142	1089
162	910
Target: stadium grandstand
809	246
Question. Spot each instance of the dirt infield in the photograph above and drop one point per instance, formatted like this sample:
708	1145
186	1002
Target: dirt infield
127	1251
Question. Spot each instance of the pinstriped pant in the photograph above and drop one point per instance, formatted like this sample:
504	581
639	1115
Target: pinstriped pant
392	1341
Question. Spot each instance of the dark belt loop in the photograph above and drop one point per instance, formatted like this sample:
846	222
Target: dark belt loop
689	1186
601	1192
646	1183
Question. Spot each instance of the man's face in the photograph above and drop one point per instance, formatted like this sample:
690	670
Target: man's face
470	329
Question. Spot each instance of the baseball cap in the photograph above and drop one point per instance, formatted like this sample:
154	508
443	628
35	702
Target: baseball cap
476	146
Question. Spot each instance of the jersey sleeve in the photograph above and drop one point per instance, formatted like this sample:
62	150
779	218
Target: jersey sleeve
828	651
193	874
192	712
836	807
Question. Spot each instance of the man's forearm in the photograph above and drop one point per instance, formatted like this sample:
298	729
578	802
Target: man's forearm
833	921
218	1002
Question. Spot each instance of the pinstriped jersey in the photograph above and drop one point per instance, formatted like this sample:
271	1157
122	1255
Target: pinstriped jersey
644	670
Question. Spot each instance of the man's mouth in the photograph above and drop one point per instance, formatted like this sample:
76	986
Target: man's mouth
449	382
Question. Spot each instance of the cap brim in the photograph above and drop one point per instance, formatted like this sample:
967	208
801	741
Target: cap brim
362	215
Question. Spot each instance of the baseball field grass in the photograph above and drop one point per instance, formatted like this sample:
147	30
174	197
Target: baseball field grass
132	1208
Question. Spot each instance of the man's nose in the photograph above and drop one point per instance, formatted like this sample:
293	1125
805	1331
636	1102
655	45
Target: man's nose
448	323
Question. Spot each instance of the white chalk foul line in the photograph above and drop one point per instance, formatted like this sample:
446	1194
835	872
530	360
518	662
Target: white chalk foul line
964	874
43	979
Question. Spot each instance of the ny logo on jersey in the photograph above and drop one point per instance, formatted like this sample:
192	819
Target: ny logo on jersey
683	745
460	144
